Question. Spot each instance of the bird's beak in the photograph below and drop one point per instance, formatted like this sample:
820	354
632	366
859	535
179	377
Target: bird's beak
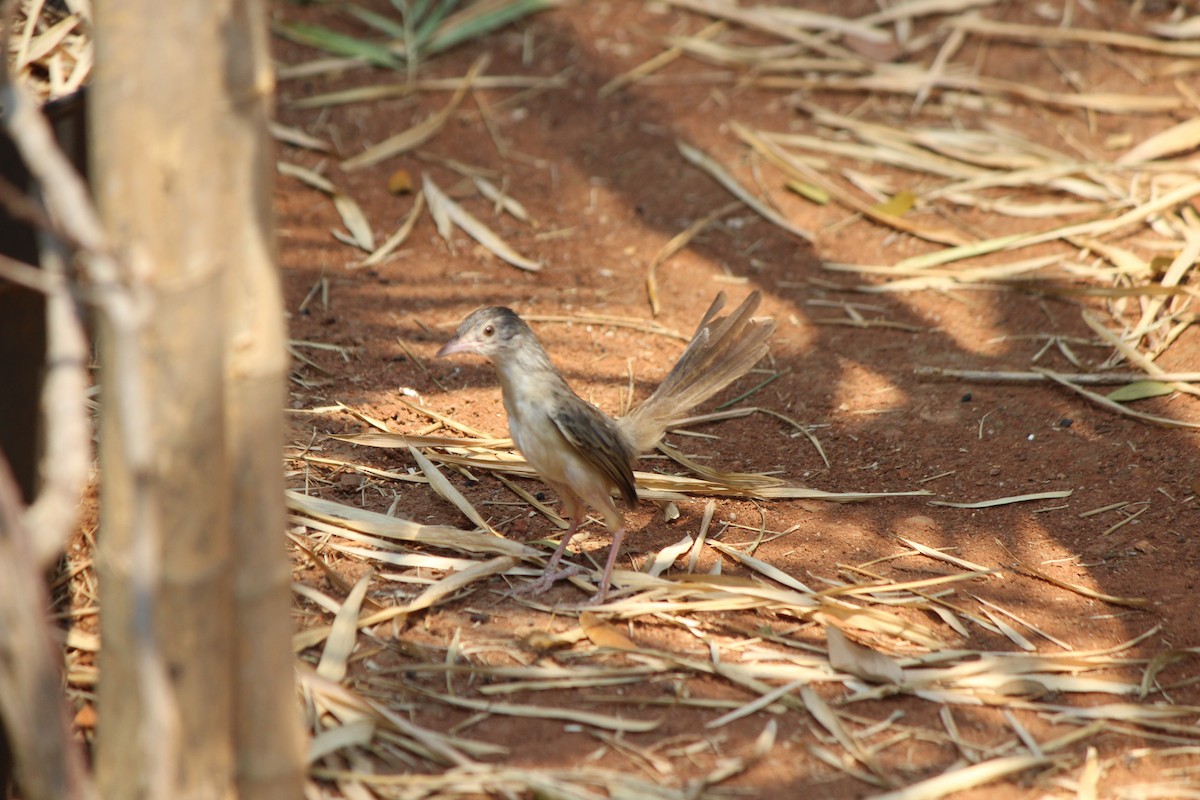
455	346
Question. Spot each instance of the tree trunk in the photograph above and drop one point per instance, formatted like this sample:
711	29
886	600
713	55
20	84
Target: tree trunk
267	721
191	502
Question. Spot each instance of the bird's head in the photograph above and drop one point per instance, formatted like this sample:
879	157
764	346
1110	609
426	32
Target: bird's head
494	333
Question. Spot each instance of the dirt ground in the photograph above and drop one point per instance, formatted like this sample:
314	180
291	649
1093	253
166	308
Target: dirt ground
606	188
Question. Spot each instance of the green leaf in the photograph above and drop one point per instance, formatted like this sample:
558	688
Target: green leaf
427	17
1139	390
385	25
471	22
339	44
899	205
809	191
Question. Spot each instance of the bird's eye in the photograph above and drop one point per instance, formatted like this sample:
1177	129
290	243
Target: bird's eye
489	330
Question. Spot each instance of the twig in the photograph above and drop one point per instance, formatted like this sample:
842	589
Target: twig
1088	378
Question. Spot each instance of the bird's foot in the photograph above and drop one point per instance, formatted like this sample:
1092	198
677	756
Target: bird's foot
548	579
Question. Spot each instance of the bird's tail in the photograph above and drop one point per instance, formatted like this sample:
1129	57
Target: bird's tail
721	351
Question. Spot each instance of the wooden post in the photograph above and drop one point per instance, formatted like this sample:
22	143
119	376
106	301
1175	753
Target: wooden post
191	428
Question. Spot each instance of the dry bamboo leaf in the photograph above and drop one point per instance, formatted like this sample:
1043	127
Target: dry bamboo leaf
755	705
1089	777
447	490
443	208
802	493
909	79
1003	501
763	19
438	592
747	482
726	768
960	780
297	137
632	323
1027	624
1103	401
657	62
677	243
386	91
501	200
1090	378
545	713
417	135
1177	29
705	162
664	558
1176	139
446	587
760	566
405	440
1131	602
355	221
343	634
1158	664
832	24
441	215
340	737
874	620
922	8
1184	262
1123	712
855	590
348	706
333	576
377	424
351	213
357	519
43	44
543	509
399	237
990	27
1022	733
1012	633
931	552
407	560
306	176
603	633
868	664
694	556
828	719
801	172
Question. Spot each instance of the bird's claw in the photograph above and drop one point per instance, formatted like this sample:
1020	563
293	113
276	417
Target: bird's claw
548	579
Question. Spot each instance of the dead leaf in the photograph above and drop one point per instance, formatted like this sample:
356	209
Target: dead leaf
603	633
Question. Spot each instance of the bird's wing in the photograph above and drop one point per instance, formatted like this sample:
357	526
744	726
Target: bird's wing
597	440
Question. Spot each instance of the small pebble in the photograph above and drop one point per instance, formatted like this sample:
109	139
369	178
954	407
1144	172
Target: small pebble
916	526
1066	422
966	398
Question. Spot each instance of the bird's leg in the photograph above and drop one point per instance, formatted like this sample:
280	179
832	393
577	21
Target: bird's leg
606	581
553	575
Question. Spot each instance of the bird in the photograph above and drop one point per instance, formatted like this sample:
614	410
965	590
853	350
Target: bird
581	452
